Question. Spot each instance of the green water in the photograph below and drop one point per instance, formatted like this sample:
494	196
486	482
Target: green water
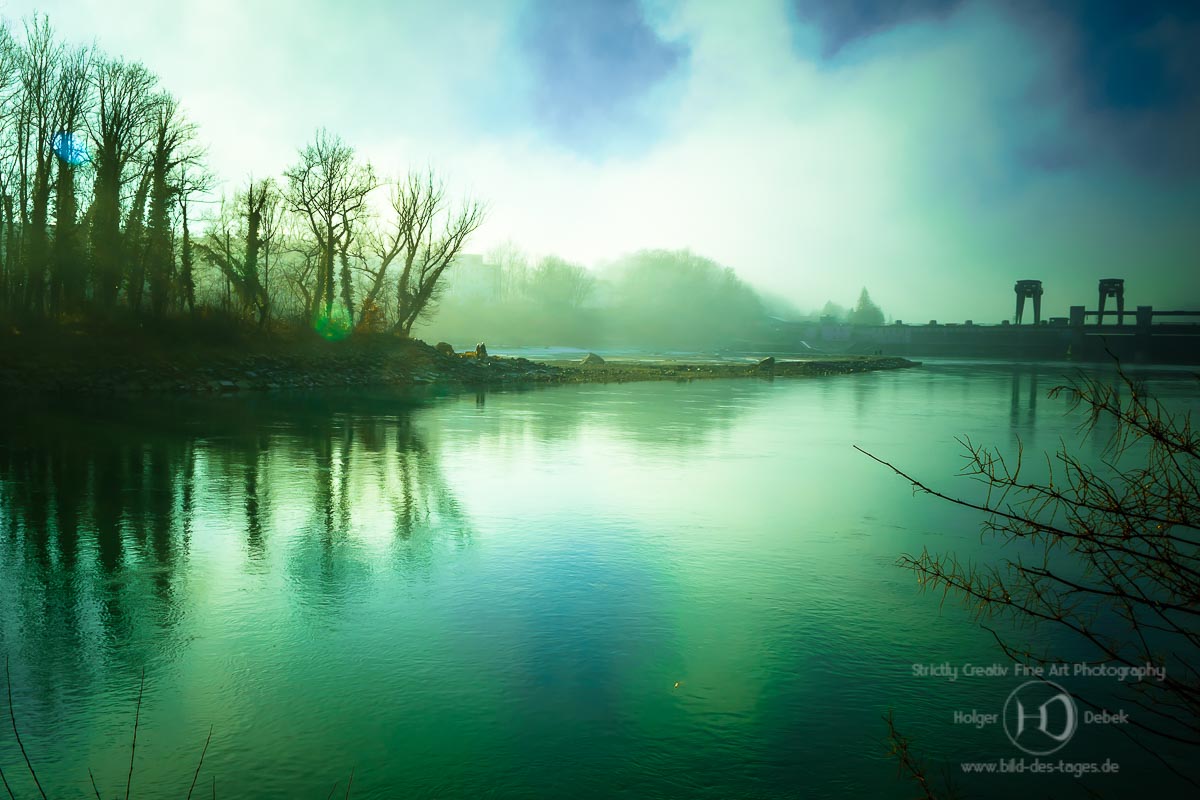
646	590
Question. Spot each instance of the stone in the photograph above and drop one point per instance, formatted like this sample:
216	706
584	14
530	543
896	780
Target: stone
767	362
591	359
445	348
481	350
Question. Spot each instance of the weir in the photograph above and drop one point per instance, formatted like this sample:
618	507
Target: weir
1156	335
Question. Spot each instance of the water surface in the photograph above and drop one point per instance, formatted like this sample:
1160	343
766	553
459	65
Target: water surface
642	590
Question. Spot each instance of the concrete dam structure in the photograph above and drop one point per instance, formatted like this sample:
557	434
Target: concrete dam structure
1150	336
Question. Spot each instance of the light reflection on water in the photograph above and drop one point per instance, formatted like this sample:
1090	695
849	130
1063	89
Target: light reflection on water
498	593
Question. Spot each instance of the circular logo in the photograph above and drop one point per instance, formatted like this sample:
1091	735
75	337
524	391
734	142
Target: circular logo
1040	717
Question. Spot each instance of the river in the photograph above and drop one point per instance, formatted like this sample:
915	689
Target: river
648	590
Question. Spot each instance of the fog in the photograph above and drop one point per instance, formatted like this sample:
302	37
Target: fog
932	151
649	299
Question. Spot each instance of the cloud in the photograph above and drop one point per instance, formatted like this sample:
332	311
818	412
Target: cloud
1130	72
935	153
848	20
928	164
594	61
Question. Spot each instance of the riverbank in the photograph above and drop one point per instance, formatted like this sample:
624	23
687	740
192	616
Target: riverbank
630	370
91	362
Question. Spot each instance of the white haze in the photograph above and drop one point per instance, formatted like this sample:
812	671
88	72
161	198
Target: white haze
898	166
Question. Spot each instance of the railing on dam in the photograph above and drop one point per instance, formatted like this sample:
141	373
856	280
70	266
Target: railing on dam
1143	316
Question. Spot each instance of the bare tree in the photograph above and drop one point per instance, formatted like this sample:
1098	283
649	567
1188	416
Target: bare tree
425	238
328	188
133	241
169	150
234	245
192	179
271	230
9	166
68	285
559	284
40	62
124	104
254	204
513	264
305	265
1117	564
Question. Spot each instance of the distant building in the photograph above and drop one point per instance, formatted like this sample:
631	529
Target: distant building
471	278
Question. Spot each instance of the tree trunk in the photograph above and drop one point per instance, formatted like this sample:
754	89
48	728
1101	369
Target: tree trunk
106	233
186	259
327	257
347	296
67	288
39	243
135	243
159	255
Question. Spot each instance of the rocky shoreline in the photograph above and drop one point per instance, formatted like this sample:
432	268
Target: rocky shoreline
91	366
623	371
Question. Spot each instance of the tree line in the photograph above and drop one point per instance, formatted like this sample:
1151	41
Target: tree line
101	176
672	299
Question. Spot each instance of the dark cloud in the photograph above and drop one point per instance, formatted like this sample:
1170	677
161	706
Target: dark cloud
1049	157
592	61
843	21
1138	55
1131	72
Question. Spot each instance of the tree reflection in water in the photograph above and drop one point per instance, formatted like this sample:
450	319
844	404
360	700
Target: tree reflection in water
100	515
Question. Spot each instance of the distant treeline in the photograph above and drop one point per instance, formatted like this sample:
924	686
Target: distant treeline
671	299
651	298
100	176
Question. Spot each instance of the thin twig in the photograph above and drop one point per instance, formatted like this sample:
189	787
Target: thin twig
201	764
133	747
94	789
908	764
7	788
351	783
12	715
331	791
1137	563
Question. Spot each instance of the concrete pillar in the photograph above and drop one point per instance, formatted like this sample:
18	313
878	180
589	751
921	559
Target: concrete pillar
1112	287
1033	290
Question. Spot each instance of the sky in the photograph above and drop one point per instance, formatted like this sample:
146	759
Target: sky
933	151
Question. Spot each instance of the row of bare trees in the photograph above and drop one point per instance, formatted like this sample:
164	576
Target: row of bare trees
101	175
91	155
